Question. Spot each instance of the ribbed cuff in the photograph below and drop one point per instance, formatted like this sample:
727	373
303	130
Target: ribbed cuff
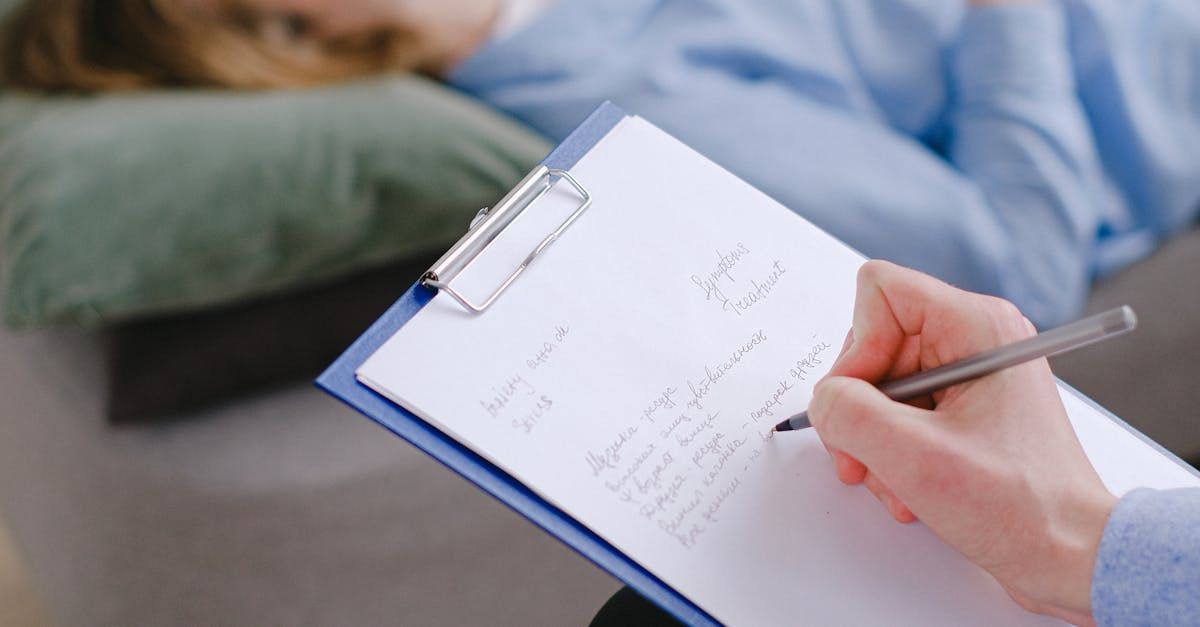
1148	566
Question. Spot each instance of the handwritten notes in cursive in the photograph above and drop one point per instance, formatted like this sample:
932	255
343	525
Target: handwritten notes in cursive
515	398
683	500
733	296
681	456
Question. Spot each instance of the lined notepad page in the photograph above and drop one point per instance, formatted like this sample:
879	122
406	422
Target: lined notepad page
631	375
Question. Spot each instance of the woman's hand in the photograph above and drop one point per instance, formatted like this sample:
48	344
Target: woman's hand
991	466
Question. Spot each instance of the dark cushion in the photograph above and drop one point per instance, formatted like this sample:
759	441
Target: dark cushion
166	366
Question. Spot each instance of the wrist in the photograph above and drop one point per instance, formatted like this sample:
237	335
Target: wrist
1064	585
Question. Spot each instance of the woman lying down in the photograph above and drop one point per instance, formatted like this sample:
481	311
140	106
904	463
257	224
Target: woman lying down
1017	147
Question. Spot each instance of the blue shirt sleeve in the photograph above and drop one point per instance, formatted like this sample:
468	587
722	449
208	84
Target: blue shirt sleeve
1148	566
1018	131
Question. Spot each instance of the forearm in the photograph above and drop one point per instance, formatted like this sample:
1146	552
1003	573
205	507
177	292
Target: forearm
1018	132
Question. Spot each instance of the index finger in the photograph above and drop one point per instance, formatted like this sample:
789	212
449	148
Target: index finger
905	321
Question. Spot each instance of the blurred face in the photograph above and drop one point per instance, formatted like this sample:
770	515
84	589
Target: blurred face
336	18
448	30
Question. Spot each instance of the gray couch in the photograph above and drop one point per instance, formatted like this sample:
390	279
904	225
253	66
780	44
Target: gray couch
284	508
287	508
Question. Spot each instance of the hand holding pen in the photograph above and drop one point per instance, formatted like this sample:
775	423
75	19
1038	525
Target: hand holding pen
992	466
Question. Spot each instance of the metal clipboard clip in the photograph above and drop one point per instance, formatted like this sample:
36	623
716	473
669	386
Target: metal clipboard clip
490	223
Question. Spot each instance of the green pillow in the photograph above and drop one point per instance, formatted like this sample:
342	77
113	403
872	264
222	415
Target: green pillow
126	205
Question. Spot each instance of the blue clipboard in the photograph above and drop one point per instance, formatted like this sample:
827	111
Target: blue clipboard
339	381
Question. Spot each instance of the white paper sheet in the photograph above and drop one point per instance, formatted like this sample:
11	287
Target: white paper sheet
630	376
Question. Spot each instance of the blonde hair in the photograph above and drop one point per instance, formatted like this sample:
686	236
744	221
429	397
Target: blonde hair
96	45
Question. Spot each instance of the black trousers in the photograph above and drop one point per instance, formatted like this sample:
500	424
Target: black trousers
627	608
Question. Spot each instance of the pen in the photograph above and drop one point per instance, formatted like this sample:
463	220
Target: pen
1068	337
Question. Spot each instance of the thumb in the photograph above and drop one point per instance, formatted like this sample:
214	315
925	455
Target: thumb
853	416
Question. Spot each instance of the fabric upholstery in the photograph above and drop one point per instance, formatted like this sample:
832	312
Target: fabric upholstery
128	205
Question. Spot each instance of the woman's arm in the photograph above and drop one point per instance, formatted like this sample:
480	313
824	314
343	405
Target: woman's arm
1018	131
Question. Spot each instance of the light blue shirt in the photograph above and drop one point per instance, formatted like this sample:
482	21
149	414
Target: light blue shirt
1148	568
1019	150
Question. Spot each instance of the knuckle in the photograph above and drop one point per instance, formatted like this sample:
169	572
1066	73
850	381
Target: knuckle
875	272
872	269
1007	321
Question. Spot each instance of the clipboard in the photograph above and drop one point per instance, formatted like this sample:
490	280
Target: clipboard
340	380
